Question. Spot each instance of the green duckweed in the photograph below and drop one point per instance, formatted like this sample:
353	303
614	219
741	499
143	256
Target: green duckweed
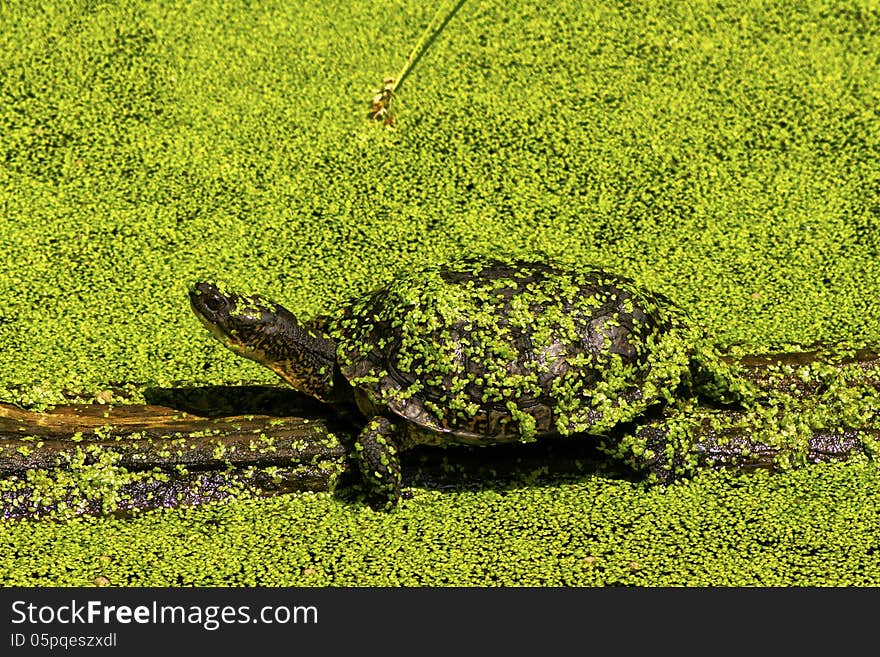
723	154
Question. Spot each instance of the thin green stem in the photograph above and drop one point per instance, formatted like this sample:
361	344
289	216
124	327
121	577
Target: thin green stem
428	36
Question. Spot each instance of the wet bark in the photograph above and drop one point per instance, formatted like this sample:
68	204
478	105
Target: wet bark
767	371
165	438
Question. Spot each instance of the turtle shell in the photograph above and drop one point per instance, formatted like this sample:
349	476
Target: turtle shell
486	351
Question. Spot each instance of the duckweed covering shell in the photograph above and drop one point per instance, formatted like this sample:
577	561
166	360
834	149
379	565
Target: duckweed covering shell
725	155
495	351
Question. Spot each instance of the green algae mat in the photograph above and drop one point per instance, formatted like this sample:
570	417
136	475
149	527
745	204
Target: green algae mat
724	154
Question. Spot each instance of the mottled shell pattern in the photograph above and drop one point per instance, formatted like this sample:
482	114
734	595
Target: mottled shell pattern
482	351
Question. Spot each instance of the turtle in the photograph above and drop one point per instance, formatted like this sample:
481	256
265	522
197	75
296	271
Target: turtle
479	351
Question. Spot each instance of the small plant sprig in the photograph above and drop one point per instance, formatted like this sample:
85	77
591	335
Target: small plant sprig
381	105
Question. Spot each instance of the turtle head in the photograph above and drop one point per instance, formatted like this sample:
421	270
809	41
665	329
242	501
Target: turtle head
268	333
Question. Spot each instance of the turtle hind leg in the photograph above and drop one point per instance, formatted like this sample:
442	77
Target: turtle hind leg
376	453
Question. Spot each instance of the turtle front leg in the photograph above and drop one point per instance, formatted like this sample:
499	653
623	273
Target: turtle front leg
376	453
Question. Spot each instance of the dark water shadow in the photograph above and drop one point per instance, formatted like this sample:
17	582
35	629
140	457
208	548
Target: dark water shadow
547	462
227	401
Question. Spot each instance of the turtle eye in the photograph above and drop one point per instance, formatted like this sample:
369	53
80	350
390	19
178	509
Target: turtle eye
214	302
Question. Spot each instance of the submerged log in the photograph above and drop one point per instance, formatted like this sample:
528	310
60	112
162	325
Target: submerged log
785	371
197	444
93	458
163	441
